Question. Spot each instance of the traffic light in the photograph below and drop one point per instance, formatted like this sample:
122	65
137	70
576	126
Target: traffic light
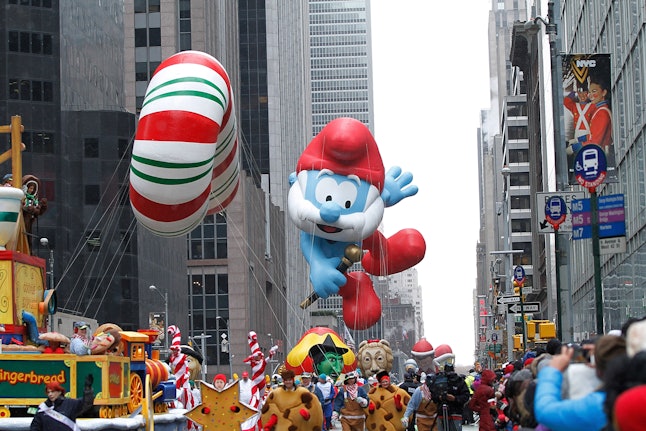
547	330
518	342
530	328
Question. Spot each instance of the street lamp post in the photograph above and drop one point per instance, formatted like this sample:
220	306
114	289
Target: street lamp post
202	337
165	297
228	345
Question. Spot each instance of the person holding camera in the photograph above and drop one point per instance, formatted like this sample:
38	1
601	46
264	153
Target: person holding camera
581	414
450	393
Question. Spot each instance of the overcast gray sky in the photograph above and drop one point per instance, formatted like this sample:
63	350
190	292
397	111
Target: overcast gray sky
431	80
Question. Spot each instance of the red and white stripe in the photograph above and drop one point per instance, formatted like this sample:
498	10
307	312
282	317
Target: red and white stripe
180	369
185	156
258	363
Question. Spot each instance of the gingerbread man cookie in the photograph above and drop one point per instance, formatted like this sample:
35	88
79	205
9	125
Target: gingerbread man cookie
287	410
387	406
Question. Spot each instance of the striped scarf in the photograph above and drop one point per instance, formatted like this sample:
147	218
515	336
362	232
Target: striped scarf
352	391
426	392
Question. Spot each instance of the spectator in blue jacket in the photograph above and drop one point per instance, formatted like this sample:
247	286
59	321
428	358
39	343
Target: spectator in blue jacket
583	414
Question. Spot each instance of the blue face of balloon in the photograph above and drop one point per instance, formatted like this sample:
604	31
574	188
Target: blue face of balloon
336	195
333	206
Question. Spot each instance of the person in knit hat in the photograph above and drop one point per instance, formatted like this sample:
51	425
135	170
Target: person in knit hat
629	412
219	382
291	407
59	413
482	400
386	405
337	199
583	414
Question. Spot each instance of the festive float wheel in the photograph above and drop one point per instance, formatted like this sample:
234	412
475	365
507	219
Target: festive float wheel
4	413
136	392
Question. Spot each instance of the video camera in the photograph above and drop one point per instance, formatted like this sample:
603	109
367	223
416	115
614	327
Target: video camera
438	384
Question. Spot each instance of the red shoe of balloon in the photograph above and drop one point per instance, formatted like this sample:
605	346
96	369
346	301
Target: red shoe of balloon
386	256
361	305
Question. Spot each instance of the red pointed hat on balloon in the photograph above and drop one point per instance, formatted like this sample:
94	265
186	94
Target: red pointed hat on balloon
422	349
337	199
443	354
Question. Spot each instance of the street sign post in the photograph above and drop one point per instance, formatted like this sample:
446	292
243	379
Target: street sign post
526	307
519	275
508	299
551	215
612	221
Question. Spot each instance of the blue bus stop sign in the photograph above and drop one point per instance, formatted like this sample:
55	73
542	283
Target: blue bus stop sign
555	211
590	166
519	275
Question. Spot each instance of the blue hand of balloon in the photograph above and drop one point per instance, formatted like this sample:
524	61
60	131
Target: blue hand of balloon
326	279
292	178
397	186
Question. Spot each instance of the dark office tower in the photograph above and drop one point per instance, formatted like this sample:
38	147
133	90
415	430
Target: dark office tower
65	81
254	100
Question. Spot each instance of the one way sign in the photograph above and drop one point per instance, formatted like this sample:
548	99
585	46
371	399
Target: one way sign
508	299
528	307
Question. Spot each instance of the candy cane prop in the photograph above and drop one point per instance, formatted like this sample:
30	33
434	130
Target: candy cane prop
178	366
258	362
185	156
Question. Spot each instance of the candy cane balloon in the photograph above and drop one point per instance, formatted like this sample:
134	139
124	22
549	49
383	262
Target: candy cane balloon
185	156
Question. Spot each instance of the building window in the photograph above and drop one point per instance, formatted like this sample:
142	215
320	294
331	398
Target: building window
126	291
209	313
92	194
520	203
209	239
154	37
517	132
519	179
123	148
91	148
27	42
140	37
24	89
518	156
143	6
526	257
184	25
521	225
39	142
93	240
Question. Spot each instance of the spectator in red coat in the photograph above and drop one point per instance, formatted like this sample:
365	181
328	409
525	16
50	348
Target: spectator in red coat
484	400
